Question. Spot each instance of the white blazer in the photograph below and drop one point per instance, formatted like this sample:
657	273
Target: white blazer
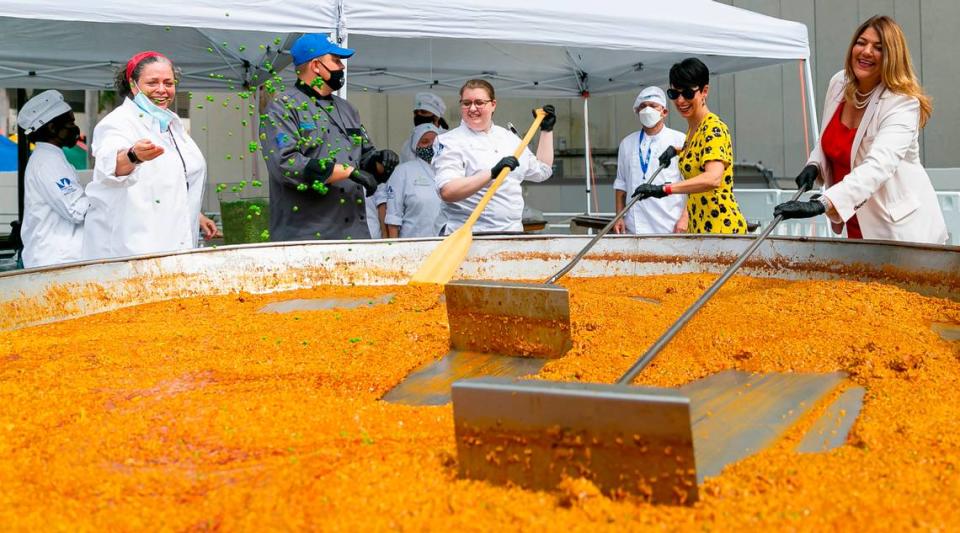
887	187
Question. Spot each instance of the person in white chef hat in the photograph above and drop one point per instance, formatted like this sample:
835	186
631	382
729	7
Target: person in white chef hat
637	161
54	202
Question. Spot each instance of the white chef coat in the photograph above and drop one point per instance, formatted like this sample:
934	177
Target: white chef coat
155	208
463	152
652	215
54	206
412	200
372	214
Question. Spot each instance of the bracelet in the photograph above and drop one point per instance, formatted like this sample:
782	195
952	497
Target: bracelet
668	188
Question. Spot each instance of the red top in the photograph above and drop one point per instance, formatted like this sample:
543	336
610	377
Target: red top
836	144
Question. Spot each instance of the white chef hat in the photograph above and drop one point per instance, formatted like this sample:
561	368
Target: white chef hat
650	94
427	101
40	110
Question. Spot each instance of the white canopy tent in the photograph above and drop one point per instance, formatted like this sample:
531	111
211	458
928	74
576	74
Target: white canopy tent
534	48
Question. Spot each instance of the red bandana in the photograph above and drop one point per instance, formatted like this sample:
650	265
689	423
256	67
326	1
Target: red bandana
137	58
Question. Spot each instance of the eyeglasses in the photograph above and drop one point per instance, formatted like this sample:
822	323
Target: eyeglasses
687	93
466	104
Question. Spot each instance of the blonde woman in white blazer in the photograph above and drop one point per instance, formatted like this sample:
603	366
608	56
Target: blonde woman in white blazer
873	113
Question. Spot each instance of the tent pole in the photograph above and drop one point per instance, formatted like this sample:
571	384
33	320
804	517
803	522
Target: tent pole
811	102
342	38
23	153
91	104
586	146
254	160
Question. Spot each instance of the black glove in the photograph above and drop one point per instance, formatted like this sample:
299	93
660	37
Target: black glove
666	156
507	162
367	180
798	209
550	120
648	190
389	159
807	177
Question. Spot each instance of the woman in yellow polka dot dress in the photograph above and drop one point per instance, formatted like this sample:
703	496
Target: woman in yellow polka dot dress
706	160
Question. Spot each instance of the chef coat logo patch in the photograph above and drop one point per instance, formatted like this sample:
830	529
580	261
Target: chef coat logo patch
283	139
66	186
308	126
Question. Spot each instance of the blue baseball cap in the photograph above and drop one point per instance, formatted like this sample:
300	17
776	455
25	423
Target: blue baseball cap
312	45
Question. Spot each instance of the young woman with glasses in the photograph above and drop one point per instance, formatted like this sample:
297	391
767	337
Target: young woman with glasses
468	158
706	159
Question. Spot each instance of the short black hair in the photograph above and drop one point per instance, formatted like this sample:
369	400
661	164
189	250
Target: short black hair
689	73
50	129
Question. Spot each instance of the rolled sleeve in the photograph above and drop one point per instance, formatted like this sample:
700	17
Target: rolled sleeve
448	163
534	169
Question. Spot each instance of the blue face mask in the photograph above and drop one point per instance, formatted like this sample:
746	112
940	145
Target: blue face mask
164	116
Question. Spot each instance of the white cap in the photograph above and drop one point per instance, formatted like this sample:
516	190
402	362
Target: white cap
429	102
41	109
650	94
420	131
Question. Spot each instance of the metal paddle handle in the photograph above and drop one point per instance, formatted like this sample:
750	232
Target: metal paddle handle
664	339
606	229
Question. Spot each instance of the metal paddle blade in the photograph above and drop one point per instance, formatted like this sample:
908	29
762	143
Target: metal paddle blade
430	384
529	319
736	414
496	329
319	304
833	426
445	259
533	433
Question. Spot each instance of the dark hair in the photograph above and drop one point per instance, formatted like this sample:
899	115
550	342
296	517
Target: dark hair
122	84
50	129
479	84
689	73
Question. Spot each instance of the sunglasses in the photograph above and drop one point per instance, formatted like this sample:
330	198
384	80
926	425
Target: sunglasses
466	104
687	93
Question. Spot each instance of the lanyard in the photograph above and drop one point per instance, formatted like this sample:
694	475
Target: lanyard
644	160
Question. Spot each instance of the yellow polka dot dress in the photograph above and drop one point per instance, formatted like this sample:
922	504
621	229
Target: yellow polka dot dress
713	211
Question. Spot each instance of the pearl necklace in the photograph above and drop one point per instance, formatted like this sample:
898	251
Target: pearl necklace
857	95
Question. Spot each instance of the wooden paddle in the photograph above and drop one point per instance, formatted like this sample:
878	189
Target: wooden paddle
447	256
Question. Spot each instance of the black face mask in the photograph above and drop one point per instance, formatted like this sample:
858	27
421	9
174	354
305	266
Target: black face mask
336	79
420	119
425	153
68	136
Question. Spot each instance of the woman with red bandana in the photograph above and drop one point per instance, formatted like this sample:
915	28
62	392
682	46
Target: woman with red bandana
149	175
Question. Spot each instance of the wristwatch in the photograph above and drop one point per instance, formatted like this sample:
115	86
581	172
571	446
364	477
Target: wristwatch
132	156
